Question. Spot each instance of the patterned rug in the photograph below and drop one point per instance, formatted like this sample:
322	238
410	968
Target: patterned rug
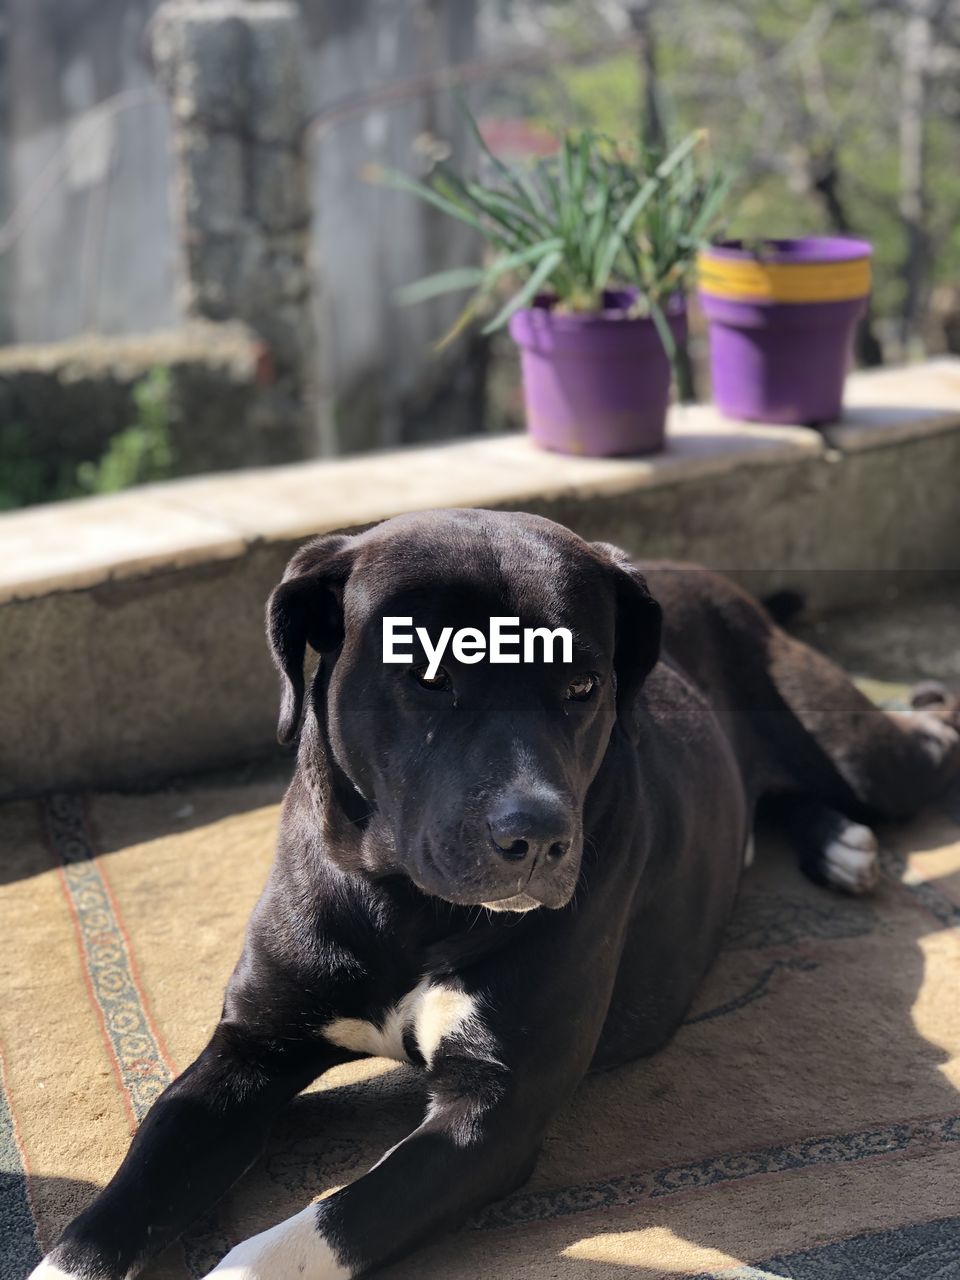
805	1122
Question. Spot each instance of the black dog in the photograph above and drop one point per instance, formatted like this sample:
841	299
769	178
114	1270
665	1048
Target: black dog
615	793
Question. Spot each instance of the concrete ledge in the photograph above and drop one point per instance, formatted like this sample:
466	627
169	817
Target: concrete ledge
131	639
75	545
888	406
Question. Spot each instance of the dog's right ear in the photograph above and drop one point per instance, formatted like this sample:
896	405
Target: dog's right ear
306	608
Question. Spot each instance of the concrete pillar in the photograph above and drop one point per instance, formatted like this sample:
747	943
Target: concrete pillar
233	74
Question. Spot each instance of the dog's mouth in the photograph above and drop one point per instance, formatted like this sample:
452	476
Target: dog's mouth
519	902
534	886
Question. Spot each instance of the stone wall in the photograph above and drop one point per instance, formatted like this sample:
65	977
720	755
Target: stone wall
232	70
98	249
72	396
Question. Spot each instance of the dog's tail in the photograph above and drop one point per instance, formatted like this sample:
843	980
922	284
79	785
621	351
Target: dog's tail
783	606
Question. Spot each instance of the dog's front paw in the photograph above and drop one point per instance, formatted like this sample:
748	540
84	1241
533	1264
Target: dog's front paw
850	858
937	734
63	1264
293	1250
937	701
48	1270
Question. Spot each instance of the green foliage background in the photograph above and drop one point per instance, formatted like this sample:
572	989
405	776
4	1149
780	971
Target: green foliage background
139	454
779	84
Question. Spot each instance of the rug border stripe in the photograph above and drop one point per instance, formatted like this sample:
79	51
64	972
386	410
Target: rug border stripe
65	819
95	1003
165	1054
912	1138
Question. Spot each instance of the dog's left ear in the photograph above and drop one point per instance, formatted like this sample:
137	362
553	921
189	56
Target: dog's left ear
306	608
639	624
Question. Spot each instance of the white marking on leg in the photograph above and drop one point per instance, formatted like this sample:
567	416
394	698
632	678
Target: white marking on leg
851	858
293	1250
432	1011
386	1041
360	1036
50	1271
442	1012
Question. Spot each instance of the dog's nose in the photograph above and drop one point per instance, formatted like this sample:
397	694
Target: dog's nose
522	826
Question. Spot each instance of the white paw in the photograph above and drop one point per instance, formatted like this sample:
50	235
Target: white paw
50	1271
293	1250
851	859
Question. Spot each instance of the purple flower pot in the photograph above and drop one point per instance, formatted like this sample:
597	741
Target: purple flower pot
782	323
595	384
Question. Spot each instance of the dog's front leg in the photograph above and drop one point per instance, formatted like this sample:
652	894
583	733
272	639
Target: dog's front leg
495	1081
478	1141
202	1133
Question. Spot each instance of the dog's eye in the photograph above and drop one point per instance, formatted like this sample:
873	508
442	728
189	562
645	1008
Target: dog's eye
438	682
582	688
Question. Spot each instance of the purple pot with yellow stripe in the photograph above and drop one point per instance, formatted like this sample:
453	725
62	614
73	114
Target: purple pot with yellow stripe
782	318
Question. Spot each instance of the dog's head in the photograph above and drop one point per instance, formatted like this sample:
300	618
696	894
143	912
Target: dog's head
470	777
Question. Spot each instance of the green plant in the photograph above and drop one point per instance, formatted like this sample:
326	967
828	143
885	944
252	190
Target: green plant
25	478
138	454
598	215
142	452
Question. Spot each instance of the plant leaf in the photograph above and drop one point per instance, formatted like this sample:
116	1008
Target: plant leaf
520	299
615	240
666	334
440	283
594	212
636	206
400	181
472	277
528	196
533	254
463	320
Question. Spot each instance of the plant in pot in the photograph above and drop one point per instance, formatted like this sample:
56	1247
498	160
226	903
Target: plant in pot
782	316
596	244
